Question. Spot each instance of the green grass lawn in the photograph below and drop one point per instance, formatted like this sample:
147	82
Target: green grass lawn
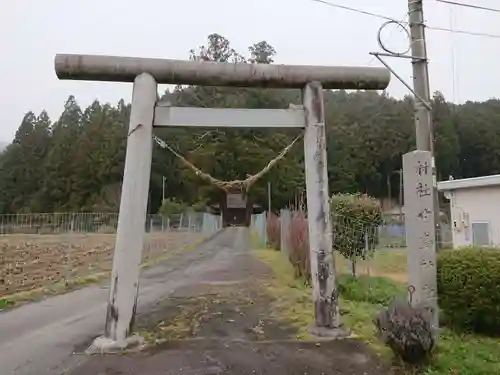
389	262
457	354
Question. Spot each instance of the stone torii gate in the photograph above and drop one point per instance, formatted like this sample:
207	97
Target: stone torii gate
147	112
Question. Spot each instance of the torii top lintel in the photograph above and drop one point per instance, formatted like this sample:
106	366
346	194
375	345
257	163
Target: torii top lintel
125	69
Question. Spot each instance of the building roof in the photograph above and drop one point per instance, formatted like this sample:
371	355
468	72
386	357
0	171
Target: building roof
467	183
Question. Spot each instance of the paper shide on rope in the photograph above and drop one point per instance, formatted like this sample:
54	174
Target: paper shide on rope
229	186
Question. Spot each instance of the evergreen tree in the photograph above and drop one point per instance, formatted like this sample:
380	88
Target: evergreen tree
76	163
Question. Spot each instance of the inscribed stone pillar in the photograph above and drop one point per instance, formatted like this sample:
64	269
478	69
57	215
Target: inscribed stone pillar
420	228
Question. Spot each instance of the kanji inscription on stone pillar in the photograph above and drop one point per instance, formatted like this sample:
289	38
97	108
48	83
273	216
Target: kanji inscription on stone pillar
420	228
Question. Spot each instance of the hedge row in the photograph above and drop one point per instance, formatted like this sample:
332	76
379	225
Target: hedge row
469	289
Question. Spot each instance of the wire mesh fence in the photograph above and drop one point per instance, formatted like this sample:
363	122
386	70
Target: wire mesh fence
44	250
394	235
388	235
379	250
92	222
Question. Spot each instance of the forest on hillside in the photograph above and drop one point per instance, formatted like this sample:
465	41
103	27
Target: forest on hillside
75	162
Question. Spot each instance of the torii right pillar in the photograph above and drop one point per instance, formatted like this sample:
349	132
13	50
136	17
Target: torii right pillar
327	322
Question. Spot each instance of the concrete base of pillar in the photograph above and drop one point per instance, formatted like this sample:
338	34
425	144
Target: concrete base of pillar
105	345
328	333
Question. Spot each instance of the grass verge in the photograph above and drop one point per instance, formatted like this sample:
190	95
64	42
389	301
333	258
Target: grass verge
457	354
292	297
390	263
64	286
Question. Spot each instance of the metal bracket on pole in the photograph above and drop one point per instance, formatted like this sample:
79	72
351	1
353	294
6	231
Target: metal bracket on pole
398	55
419	98
401	54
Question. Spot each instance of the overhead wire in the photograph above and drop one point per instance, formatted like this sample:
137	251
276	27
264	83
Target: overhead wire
451	30
388	18
471	6
465	32
367	13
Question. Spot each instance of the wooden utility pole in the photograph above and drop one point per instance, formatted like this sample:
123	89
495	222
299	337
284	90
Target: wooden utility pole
423	119
423	111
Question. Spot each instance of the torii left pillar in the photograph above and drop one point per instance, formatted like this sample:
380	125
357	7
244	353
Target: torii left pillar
131	221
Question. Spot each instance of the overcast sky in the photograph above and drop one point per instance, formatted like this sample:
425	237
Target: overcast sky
302	32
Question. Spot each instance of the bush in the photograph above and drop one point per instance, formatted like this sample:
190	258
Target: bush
407	331
355	220
299	243
469	288
375	290
172	207
200	206
273	231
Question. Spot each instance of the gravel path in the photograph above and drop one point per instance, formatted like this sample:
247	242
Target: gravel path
202	312
39	338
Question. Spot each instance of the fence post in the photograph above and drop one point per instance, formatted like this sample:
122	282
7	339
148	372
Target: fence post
259	226
68	268
264	228
285	230
207	225
368	251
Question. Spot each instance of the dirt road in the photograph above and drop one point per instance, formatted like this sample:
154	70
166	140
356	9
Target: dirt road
216	320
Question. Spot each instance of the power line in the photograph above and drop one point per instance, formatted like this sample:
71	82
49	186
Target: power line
472	6
365	12
387	18
464	32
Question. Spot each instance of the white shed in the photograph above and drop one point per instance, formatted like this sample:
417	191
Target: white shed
475	210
